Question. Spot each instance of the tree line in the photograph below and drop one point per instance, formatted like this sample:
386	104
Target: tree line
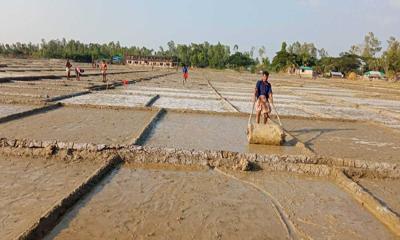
71	49
360	58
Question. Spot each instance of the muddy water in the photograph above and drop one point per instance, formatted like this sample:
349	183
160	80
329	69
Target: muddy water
210	132
29	187
386	190
86	125
347	139
317	208
170	204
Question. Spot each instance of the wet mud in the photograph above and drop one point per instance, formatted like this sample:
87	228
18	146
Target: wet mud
9	109
39	93
211	132
81	125
317	208
101	99
169	204
163	201
385	190
29	187
355	140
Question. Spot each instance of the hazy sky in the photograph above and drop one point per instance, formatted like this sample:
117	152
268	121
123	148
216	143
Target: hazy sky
334	24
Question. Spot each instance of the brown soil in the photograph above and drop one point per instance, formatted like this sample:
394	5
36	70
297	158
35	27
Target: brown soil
142	203
210	132
317	208
83	125
29	187
42	93
8	109
354	140
195	81
169	204
386	190
7	99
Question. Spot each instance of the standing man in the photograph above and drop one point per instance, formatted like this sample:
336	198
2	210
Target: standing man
263	96
185	71
104	70
68	67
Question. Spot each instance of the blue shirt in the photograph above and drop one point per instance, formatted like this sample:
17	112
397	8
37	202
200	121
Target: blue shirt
185	69
263	89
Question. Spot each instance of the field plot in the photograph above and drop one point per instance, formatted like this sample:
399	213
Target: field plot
193	104
200	191
315	98
318	209
43	94
353	140
386	190
82	125
101	99
29	187
9	109
172	204
210	132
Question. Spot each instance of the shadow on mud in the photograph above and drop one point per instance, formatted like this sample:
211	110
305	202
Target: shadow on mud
318	133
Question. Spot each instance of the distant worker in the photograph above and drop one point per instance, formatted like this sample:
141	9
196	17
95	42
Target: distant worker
68	67
314	75
78	73
185	71
103	69
263	96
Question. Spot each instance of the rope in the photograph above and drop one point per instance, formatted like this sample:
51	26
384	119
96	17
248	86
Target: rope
279	119
251	114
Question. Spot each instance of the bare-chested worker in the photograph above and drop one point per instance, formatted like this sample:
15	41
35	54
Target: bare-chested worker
68	67
78	73
104	70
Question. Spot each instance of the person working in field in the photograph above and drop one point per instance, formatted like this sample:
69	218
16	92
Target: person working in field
185	71
78	73
263	96
103	69
68	67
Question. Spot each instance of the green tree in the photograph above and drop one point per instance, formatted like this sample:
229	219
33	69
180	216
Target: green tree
305	54
346	63
261	52
323	53
240	60
355	50
391	57
252	50
218	56
284	60
172	50
371	46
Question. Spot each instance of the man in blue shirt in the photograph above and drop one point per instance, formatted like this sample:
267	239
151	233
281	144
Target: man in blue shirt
185	71
263	96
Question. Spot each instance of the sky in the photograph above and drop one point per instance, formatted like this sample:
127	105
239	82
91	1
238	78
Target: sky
331	24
